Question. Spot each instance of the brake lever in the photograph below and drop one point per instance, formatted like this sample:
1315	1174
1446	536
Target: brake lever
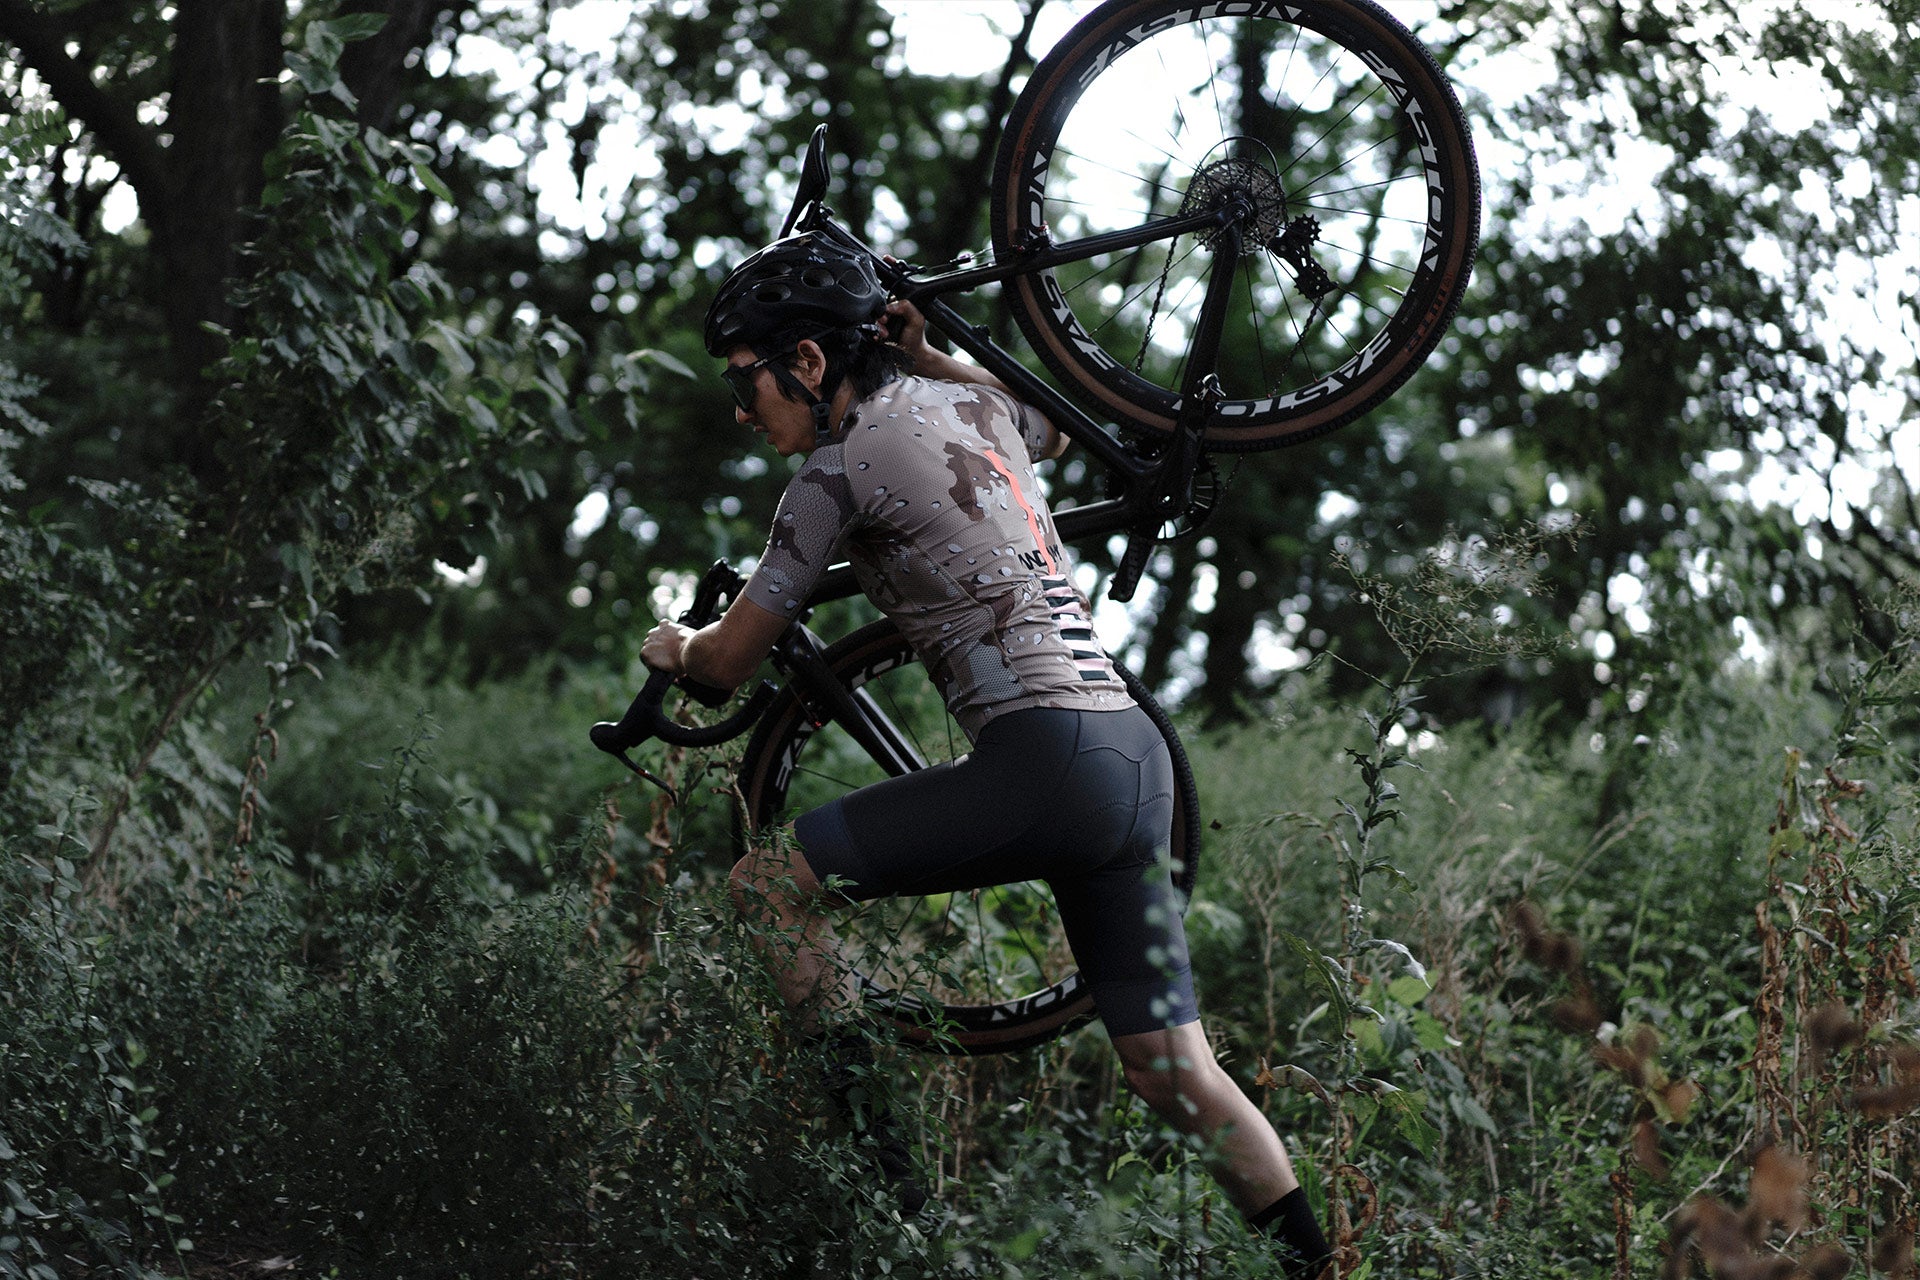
646	717
615	738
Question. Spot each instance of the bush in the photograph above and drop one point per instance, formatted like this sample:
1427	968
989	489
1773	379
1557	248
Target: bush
390	1057
83	1173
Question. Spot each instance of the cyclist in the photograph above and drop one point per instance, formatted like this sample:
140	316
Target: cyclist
919	468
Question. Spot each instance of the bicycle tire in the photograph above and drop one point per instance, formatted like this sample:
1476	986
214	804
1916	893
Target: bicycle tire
1384	172
967	1007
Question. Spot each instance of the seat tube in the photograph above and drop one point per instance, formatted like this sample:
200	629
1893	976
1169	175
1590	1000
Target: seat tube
1204	351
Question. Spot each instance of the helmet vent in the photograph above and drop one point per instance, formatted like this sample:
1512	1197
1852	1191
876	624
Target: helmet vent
803	283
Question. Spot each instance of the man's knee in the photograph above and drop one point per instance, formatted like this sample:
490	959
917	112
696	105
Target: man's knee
1169	1086
744	882
778	874
1153	1085
1177	1076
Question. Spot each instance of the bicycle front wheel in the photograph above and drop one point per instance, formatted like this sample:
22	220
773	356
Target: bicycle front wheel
1325	123
986	971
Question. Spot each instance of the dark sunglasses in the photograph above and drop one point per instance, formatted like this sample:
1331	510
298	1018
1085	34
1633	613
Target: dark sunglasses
740	381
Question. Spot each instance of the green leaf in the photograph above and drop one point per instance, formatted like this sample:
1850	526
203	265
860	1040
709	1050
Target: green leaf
1409	1110
1414	967
1471	1112
1324	971
1023	1246
315	77
453	346
298	560
1366	1033
431	181
1409	989
483	416
323	44
355	26
1430	1033
672	364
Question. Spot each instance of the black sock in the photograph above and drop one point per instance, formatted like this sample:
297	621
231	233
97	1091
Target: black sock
1289	1220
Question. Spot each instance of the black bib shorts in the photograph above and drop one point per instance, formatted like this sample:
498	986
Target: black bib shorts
1082	800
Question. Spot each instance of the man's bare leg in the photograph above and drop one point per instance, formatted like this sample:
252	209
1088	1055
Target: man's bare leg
1175	1073
775	888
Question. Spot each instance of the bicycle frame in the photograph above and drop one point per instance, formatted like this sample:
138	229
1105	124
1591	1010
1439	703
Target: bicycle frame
1154	484
1369	138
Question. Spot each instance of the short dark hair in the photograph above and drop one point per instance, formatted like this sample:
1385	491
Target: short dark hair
854	355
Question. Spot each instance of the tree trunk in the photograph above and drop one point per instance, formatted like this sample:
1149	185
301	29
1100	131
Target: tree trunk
224	114
1169	628
971	178
1229	629
376	68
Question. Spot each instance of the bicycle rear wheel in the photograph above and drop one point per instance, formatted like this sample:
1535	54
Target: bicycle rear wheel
964	973
1326	122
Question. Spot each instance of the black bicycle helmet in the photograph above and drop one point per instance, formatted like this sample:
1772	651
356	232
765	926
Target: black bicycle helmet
794	288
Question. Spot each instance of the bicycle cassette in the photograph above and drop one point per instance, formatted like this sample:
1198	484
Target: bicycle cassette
1248	180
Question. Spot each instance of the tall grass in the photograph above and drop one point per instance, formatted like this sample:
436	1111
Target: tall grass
1602	1006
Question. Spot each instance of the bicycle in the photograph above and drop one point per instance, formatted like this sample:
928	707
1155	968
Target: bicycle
1347	259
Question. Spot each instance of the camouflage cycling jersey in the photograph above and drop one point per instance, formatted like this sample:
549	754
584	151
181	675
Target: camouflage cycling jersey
930	492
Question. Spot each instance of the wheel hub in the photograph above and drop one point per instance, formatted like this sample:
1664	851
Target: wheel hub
1246	181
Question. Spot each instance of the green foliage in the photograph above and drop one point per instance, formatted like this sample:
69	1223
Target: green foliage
357	434
731	1161
389	1063
85	1172
465	1016
387	1067
1516	1112
51	590
373	432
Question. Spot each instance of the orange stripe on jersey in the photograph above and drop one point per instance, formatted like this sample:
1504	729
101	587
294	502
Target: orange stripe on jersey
999	464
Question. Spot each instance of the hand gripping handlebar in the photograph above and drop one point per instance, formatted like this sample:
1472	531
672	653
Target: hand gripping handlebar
646	717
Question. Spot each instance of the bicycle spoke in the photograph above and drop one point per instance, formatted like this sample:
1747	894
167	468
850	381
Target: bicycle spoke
843	784
1097	275
1124	303
1338	211
1019	933
1133	173
1305	119
980	934
1371	260
1346	163
1179	114
1195	281
1307	150
1300	331
903	721
1253	293
1153	316
1214	76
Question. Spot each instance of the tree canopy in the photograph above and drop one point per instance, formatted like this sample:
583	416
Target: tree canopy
419	280
359	339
